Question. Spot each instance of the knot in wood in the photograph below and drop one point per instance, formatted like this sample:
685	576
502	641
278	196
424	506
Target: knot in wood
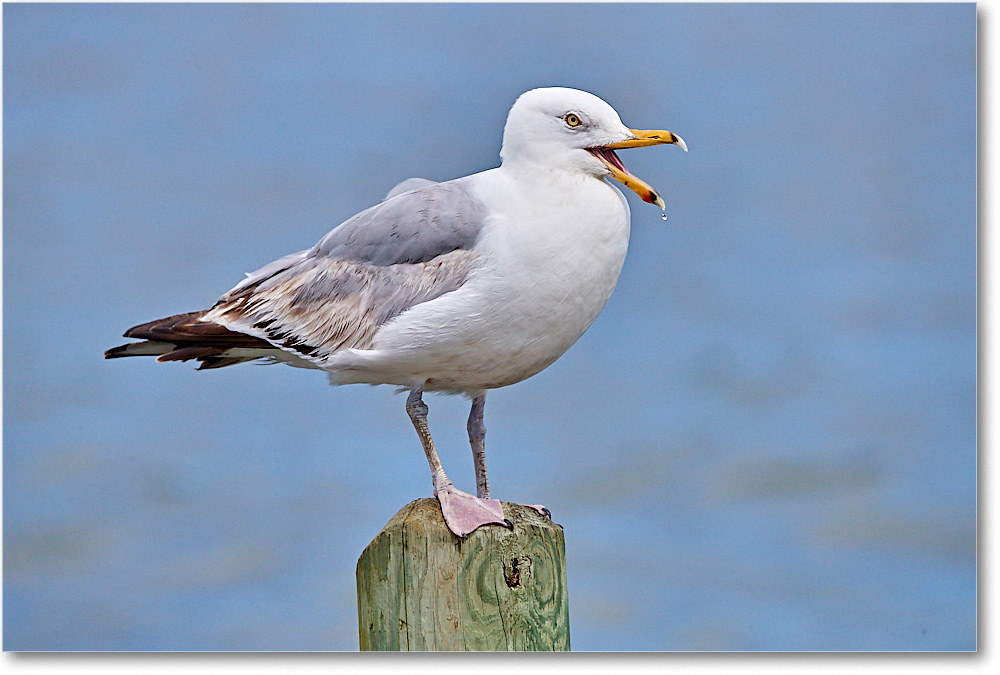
516	572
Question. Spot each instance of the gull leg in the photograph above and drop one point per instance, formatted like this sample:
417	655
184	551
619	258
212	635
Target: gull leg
417	410
462	512
477	439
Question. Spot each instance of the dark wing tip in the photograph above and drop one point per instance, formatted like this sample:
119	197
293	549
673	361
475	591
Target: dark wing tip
184	337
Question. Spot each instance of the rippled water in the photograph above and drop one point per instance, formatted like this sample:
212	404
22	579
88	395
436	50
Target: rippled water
767	441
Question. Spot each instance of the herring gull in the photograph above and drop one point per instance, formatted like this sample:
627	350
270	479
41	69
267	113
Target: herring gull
461	286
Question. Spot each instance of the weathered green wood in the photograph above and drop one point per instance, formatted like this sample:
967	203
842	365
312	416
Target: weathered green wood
421	588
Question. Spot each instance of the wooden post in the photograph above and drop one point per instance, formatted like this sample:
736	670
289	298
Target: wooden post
421	588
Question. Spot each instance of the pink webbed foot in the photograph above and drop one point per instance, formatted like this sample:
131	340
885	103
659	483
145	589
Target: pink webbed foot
464	513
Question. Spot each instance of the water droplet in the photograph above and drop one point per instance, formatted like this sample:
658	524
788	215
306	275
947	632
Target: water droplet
663	215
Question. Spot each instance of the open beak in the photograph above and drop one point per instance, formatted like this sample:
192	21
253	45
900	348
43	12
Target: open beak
640	139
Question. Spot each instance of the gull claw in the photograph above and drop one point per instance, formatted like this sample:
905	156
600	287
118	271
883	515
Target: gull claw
543	511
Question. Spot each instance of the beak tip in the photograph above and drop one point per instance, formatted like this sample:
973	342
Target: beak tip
680	143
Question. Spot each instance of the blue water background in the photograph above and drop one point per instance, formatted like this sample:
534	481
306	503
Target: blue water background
767	441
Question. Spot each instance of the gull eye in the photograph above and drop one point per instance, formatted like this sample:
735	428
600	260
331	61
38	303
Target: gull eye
572	120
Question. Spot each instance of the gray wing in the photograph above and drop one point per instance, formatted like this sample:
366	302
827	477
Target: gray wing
412	227
408	185
414	247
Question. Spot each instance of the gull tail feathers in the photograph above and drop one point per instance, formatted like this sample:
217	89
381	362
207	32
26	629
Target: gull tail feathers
183	337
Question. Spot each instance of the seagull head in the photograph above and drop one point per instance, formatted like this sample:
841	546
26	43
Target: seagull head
569	129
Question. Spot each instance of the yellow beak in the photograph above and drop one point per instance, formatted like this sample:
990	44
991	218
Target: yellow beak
645	138
618	171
